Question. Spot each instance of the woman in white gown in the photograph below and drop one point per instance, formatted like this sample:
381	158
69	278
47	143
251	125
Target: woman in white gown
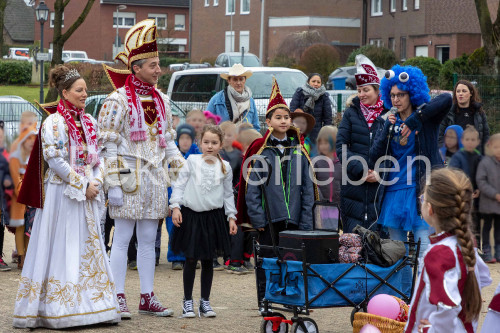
66	280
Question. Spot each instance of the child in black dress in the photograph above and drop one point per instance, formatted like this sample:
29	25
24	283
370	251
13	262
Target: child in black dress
202	197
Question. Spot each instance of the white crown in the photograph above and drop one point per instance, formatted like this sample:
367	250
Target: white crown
71	74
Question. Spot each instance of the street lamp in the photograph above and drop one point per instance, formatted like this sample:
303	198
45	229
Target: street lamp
117	41
42	15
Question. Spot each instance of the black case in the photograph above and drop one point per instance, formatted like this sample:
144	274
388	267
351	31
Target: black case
322	247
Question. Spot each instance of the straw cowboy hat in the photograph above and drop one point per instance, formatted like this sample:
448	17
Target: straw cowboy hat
236	70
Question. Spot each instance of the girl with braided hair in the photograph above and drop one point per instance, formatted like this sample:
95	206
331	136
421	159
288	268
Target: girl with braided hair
452	270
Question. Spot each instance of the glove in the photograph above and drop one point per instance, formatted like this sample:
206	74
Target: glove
115	196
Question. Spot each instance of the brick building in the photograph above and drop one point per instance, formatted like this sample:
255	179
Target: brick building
97	34
227	25
442	29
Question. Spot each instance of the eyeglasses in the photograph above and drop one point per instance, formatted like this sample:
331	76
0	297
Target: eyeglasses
398	95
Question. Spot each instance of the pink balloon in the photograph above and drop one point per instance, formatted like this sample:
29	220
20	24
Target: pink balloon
369	328
384	306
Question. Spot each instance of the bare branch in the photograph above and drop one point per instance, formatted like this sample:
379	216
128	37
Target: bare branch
66	2
78	21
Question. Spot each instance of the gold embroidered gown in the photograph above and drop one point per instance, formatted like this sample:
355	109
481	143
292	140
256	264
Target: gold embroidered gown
66	280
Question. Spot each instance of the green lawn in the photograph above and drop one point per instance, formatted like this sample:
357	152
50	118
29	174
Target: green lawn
29	93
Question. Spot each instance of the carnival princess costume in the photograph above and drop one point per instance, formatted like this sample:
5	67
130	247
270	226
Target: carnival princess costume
66	280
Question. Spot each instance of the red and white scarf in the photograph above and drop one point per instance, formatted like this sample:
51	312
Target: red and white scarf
134	86
76	143
371	112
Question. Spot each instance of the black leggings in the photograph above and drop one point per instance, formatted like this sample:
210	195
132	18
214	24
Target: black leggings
207	274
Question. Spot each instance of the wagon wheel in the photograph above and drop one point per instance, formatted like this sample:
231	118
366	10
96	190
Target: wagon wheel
354	311
266	326
305	325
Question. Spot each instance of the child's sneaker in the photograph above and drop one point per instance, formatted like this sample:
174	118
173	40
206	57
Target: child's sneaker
205	310
122	302
217	266
132	265
248	265
15	257
150	305
3	266
187	309
238	270
177	266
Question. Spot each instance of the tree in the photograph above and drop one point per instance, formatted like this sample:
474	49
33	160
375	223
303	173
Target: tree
320	58
294	44
490	33
60	38
3	4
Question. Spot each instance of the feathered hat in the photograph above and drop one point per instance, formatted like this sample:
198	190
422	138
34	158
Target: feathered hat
140	43
366	71
276	100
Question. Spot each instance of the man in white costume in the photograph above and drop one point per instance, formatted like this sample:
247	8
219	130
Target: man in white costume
138	144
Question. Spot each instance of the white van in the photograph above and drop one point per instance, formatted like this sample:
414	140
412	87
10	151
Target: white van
71	54
193	88
18	53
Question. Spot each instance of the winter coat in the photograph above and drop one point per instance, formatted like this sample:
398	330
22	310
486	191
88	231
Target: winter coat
328	170
426	120
359	204
322	110
467	162
488	182
298	188
4	175
480	123
218	106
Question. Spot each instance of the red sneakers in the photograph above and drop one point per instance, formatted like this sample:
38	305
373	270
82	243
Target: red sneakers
150	305
122	302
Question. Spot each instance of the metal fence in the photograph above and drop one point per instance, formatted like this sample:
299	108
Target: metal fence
488	87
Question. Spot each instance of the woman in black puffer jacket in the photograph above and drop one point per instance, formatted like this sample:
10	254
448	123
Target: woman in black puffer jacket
466	110
361	122
312	98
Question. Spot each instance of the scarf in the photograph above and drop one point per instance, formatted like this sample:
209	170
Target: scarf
239	102
371	112
76	143
134	86
311	95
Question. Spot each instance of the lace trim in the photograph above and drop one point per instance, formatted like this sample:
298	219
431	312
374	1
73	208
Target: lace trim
208	181
76	193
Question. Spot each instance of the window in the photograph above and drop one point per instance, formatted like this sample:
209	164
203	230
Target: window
402	49
207	3
161	20
230	7
245	40
216	2
229	41
393	6
376	7
391	45
421	51
180	22
125	20
376	42
404	5
52	20
245	7
443	53
417	4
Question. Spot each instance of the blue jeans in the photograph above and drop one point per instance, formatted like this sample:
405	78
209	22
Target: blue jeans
402	235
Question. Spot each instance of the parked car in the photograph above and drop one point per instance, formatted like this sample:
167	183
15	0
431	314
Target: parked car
230	58
18	53
348	72
193	88
71	54
175	67
11	108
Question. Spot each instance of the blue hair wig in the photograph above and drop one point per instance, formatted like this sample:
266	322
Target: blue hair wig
415	83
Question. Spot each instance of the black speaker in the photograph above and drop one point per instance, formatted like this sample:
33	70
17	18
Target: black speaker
322	247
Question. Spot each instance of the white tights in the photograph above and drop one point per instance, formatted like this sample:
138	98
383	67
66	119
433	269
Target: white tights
146	236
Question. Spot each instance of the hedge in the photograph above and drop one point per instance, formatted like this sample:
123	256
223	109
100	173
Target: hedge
429	66
15	72
380	56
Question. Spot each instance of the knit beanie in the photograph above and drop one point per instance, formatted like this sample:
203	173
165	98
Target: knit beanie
185	129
